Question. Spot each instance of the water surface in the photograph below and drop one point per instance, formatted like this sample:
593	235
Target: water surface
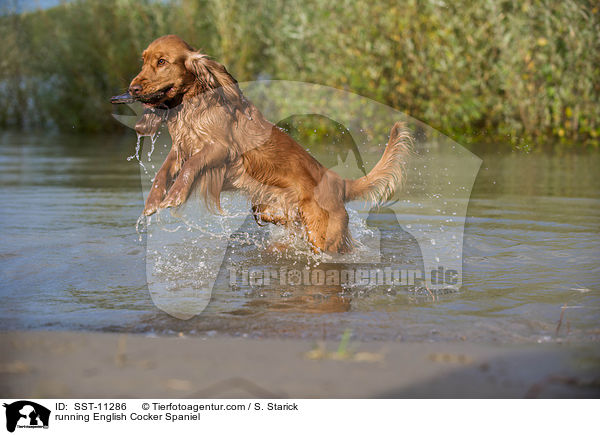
71	258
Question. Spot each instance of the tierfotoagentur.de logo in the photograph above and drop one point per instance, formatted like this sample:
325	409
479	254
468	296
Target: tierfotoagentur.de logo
25	414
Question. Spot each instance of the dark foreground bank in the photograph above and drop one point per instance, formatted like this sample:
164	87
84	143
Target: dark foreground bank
90	365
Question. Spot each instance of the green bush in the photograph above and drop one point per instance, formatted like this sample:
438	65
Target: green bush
525	73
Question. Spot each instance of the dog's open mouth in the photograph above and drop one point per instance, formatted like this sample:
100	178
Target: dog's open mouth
150	99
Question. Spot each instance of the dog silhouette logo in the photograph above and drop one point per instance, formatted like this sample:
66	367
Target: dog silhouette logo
26	414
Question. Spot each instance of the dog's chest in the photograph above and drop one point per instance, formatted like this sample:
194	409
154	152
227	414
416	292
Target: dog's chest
188	138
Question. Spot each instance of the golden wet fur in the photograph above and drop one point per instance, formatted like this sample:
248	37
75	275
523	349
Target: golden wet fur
221	141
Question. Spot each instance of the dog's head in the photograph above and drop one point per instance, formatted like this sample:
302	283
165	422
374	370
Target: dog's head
172	69
164	76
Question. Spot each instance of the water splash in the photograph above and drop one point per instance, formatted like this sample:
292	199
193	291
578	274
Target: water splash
141	225
298	249
153	140
138	147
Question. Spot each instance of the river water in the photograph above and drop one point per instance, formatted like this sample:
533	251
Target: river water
71	258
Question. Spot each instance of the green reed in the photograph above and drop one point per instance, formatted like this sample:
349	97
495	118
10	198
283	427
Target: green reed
525	73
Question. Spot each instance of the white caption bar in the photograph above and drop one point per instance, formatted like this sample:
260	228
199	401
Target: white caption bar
264	416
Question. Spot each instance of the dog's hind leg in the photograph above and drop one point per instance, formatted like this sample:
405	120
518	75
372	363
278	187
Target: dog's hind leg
326	230
338	238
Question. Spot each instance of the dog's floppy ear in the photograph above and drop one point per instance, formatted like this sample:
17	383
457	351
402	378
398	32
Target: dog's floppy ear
214	78
196	63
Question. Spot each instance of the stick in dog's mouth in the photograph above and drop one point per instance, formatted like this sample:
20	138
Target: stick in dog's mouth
127	98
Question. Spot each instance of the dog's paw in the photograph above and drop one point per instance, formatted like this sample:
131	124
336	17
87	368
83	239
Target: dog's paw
152	204
173	199
149	210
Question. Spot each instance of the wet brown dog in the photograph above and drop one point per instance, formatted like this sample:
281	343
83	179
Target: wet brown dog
222	142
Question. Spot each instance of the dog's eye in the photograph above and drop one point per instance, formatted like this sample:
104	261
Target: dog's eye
161	62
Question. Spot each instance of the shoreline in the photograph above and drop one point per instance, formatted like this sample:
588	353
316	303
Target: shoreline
44	364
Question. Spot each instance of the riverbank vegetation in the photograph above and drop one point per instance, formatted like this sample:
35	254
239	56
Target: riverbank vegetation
524	73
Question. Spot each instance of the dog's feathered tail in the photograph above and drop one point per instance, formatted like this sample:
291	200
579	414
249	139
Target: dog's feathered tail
387	175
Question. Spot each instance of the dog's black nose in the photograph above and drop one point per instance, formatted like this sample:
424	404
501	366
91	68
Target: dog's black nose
135	89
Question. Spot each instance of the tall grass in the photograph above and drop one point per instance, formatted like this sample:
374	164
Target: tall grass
521	72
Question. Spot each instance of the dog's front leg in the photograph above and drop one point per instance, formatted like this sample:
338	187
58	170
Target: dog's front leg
204	159
160	184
